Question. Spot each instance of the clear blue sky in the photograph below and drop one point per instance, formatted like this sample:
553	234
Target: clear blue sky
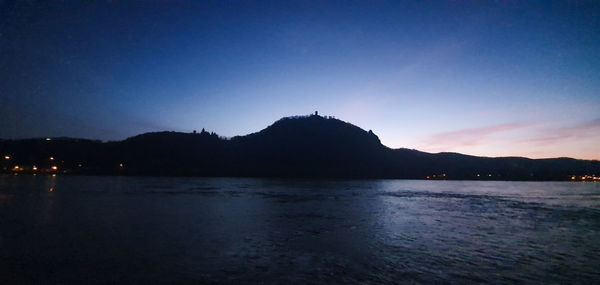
495	79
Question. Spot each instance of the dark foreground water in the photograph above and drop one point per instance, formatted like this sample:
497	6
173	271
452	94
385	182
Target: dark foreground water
191	230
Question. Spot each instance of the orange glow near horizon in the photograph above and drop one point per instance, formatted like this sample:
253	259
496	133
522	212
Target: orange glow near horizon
526	139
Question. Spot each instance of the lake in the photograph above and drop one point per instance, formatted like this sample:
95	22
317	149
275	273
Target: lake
77	229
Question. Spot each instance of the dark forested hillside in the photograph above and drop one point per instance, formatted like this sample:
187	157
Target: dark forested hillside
308	146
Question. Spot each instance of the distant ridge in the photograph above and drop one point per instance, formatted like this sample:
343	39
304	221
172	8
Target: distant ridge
301	146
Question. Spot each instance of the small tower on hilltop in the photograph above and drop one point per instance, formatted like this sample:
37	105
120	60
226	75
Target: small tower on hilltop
316	113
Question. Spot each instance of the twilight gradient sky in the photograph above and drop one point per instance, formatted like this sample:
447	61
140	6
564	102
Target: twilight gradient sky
495	79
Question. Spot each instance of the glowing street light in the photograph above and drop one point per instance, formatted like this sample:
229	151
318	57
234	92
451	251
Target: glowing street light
34	167
6	157
52	158
54	167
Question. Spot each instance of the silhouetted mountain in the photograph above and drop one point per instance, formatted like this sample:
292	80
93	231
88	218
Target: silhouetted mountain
306	146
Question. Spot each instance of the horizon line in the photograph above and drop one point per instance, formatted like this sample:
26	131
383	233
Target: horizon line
315	114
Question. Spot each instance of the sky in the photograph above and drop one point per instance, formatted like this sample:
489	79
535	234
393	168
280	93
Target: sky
489	78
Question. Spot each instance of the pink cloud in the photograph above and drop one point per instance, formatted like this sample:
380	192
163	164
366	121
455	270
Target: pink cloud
555	135
469	137
580	140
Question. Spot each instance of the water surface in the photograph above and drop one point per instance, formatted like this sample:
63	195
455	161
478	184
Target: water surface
224	230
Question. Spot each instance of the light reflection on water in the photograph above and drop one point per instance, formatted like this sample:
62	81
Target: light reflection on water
146	229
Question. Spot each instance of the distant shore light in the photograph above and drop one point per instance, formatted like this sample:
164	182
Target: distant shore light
34	167
48	139
54	167
6	157
51	158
